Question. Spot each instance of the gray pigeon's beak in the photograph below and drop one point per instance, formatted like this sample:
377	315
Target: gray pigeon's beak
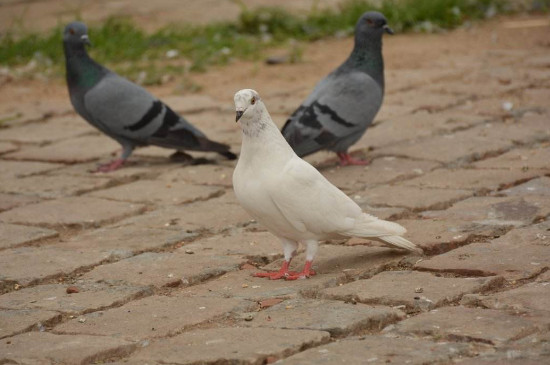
239	115
387	29
86	40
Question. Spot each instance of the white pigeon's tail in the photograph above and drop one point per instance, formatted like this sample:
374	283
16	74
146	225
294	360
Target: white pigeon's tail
389	233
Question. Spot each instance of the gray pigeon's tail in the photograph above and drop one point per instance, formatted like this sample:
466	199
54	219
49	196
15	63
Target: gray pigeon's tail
222	149
389	233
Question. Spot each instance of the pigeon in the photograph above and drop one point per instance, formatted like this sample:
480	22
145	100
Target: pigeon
343	105
291	198
123	110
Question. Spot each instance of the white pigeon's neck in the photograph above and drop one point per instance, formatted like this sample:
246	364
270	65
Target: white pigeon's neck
261	134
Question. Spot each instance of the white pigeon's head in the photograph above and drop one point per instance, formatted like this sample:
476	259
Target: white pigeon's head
247	103
76	33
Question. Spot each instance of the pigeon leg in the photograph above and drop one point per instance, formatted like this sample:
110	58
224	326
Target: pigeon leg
347	159
111	166
289	249
311	250
116	164
282	273
304	274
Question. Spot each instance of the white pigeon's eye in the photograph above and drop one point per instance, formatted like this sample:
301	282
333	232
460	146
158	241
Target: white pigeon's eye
253	100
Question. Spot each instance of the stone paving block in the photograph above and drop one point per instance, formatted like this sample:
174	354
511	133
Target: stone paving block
519	254
411	126
419	97
15	321
473	143
336	317
259	246
215	214
543	277
190	103
122	240
51	187
158	192
411	197
74	150
201	174
389	111
70	212
229	345
91	296
412	289
46	262
16	169
49	130
15	235
405	78
134	169
438	236
496	211
539	186
466	324
533	296
9	201
536	97
520	158
381	350
6	147
166	269
151	152
504	359
241	284
471	179
155	316
379	171
47	348
37	109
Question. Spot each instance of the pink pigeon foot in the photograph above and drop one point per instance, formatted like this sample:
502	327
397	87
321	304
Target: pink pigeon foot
111	166
347	159
282	273
306	273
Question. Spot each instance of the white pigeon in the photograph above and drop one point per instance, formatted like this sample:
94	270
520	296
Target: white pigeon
291	198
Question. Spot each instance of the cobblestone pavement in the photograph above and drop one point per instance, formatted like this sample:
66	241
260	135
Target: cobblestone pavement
151	264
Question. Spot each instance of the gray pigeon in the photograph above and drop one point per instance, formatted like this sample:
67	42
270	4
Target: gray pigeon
342	106
123	110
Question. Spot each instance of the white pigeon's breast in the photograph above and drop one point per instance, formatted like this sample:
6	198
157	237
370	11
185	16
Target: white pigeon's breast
254	198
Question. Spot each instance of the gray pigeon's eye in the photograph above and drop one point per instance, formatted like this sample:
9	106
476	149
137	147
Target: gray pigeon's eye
253	100
71	30
370	22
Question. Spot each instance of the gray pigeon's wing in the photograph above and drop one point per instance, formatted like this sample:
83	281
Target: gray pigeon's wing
123	109
127	112
339	109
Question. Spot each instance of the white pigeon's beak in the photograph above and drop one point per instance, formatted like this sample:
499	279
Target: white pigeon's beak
239	115
86	40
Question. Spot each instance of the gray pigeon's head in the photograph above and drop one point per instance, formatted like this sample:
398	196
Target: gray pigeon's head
372	24
246	102
76	33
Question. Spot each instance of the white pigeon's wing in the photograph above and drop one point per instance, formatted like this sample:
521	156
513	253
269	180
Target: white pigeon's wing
310	202
122	108
341	106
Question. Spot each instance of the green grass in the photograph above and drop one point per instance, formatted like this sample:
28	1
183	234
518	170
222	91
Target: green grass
123	46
